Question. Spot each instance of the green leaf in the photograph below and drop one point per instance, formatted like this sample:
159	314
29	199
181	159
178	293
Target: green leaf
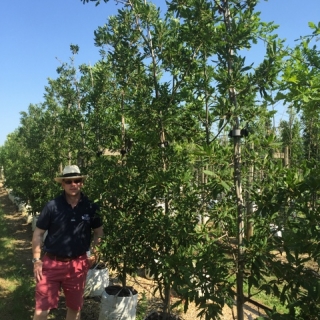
312	25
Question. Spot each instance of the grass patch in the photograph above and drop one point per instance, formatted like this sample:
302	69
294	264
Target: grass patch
142	307
261	297
16	283
267	300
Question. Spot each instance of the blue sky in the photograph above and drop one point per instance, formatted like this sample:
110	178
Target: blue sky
35	35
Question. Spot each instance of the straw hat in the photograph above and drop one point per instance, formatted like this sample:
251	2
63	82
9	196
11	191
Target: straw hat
70	172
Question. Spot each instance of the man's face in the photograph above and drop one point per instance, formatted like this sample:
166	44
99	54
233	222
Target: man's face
72	186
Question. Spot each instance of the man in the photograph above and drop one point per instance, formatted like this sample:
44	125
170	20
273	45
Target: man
68	220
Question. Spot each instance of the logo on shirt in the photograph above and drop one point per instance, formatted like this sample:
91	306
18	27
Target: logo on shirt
86	217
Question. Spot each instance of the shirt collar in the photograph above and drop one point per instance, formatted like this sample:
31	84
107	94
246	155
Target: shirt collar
82	196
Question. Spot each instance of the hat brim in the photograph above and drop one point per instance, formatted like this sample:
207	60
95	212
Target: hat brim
60	179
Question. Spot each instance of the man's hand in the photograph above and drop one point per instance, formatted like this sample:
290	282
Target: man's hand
37	270
92	260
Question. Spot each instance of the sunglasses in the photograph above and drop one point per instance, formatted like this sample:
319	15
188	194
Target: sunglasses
70	181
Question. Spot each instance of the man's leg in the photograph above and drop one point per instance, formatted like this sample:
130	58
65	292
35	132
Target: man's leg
73	314
48	288
73	287
41	315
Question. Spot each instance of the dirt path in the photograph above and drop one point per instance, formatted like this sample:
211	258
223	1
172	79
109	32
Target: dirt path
17	225
17	259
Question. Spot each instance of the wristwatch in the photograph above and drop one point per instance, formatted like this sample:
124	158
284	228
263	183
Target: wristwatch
35	260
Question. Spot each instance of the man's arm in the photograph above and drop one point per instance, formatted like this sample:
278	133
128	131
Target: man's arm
36	252
97	235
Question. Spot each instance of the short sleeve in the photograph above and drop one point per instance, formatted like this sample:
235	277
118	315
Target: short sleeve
44	218
96	221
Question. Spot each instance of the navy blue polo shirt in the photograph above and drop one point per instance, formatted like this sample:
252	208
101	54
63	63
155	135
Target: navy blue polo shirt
69	229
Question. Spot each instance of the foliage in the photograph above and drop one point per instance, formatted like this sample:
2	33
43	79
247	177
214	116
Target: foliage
291	138
293	279
300	88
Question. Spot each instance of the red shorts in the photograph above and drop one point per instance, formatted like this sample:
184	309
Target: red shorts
70	276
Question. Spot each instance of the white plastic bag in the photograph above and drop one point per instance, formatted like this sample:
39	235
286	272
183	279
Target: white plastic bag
97	280
118	303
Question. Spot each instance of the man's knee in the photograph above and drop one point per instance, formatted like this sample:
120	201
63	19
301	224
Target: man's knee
73	314
40	315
